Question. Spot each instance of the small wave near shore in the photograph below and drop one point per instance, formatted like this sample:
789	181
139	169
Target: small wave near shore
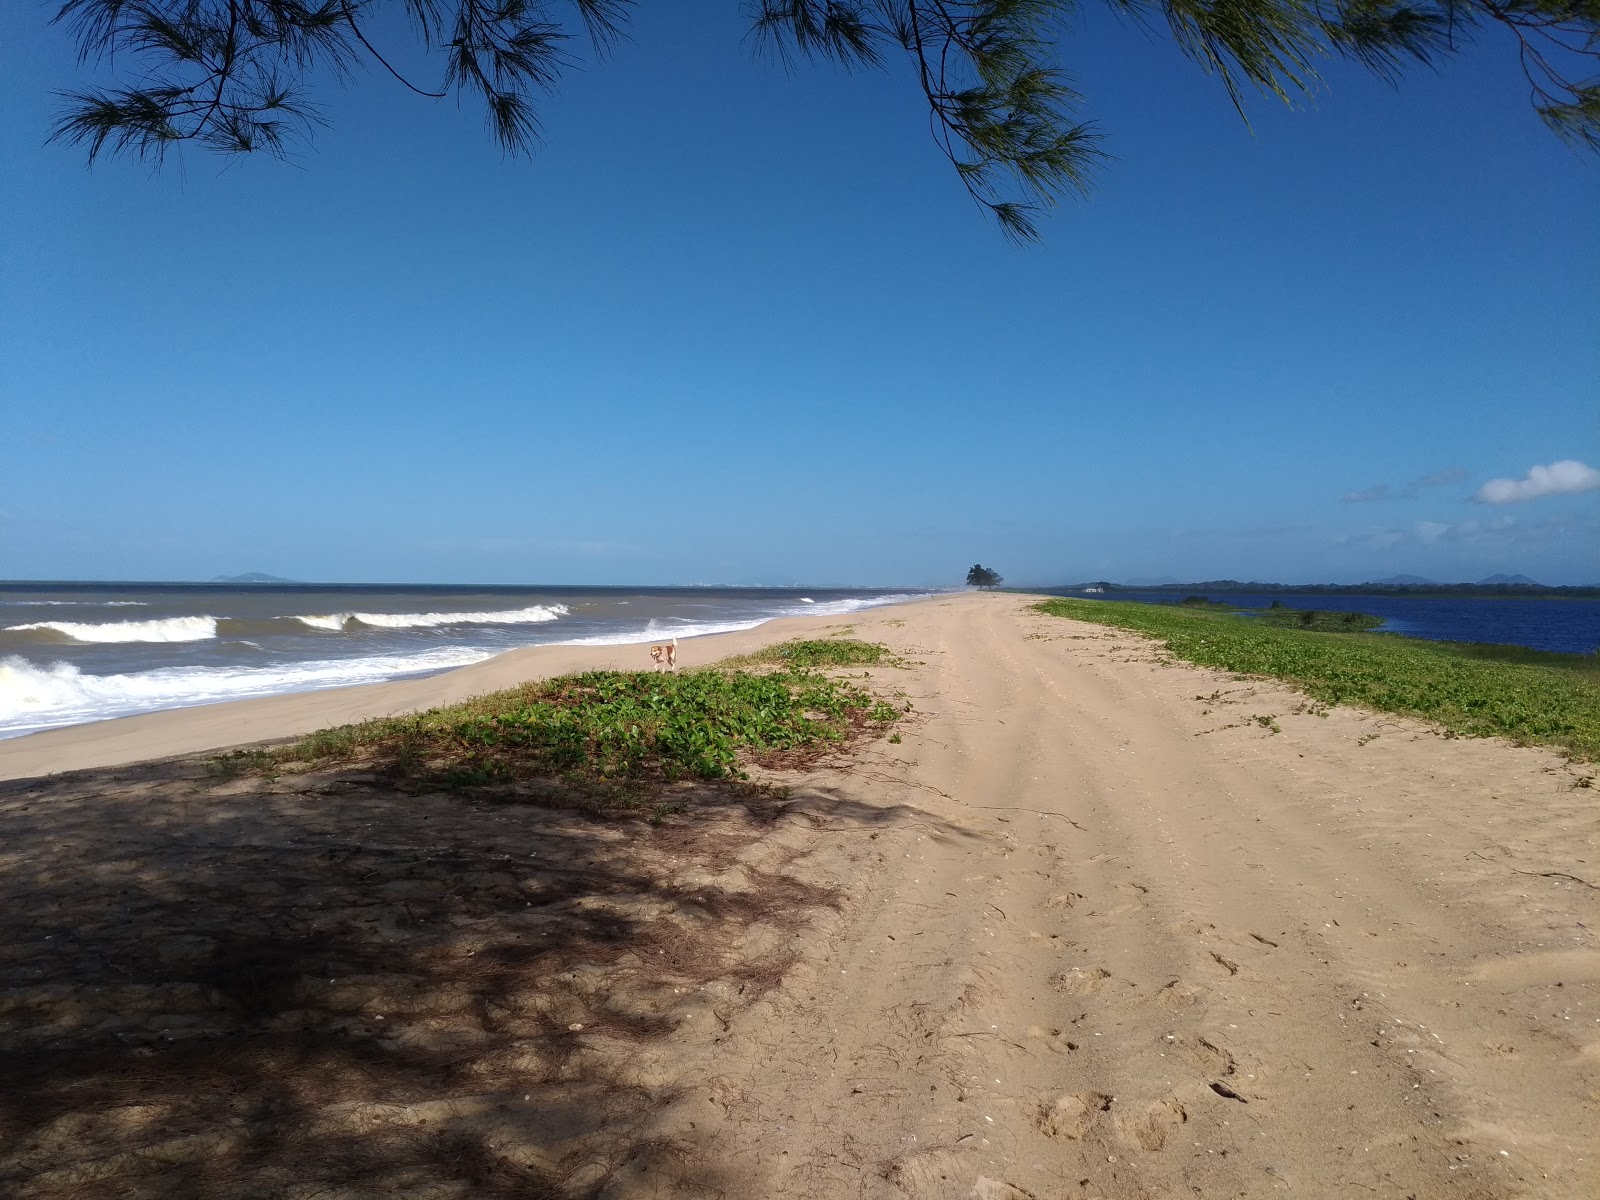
206	627
338	622
169	629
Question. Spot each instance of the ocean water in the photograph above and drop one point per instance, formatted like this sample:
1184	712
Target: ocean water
85	652
1567	626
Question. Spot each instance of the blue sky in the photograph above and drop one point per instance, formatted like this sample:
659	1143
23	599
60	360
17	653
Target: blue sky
736	325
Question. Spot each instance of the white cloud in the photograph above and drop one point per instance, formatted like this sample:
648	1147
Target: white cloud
1382	491
1500	528
1440	478
1378	491
1503	532
1564	478
1381	539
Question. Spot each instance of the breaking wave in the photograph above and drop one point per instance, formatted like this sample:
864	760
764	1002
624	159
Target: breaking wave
168	629
34	697
337	622
204	628
334	623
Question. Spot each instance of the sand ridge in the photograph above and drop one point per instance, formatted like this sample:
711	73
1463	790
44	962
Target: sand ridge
1091	929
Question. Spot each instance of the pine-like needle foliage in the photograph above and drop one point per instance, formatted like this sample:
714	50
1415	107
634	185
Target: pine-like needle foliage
230	74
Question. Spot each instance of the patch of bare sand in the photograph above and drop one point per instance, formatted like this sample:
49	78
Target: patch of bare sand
324	986
1090	930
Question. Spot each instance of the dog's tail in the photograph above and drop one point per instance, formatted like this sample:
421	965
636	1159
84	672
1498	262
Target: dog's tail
674	639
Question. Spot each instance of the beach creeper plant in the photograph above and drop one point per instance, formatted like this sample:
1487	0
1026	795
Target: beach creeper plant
1529	696
622	732
235	76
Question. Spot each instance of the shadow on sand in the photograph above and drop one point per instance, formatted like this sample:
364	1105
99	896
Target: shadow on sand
324	986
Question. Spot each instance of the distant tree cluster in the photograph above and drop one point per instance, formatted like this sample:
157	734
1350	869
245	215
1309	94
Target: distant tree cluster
984	577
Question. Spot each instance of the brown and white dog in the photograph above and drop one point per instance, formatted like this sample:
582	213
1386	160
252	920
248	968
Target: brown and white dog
666	654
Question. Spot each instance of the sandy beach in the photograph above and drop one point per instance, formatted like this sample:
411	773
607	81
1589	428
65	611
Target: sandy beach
1098	925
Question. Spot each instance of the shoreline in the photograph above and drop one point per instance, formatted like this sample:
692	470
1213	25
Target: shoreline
173	732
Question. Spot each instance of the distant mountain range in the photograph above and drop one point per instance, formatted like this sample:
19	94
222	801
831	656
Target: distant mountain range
252	577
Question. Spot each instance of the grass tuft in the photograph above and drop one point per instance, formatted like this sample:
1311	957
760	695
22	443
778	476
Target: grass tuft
234	763
835	652
1528	696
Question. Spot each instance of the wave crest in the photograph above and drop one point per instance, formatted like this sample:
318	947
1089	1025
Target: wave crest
337	622
168	629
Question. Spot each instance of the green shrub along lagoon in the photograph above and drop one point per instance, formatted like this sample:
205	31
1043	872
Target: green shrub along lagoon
1470	689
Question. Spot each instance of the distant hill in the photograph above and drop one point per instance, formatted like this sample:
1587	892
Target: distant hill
1509	581
1158	581
252	577
1414	581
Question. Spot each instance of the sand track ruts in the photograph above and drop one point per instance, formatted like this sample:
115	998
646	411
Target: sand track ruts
1100	932
1152	949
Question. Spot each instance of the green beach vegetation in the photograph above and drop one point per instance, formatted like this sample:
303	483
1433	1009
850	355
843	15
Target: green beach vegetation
1316	620
613	736
1283	617
833	652
1472	690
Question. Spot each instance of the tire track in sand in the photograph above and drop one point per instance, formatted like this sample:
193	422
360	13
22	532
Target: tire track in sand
1120	960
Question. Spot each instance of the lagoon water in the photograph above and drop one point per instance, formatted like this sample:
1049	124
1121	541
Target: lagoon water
1568	626
71	653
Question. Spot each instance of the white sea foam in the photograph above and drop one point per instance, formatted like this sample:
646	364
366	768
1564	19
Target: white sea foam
432	620
839	608
656	630
35	696
169	629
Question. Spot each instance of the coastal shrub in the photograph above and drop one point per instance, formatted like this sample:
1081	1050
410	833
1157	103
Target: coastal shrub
1529	696
613	728
1317	619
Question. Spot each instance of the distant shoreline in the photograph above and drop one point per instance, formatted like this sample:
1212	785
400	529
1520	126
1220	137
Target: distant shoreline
1456	591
